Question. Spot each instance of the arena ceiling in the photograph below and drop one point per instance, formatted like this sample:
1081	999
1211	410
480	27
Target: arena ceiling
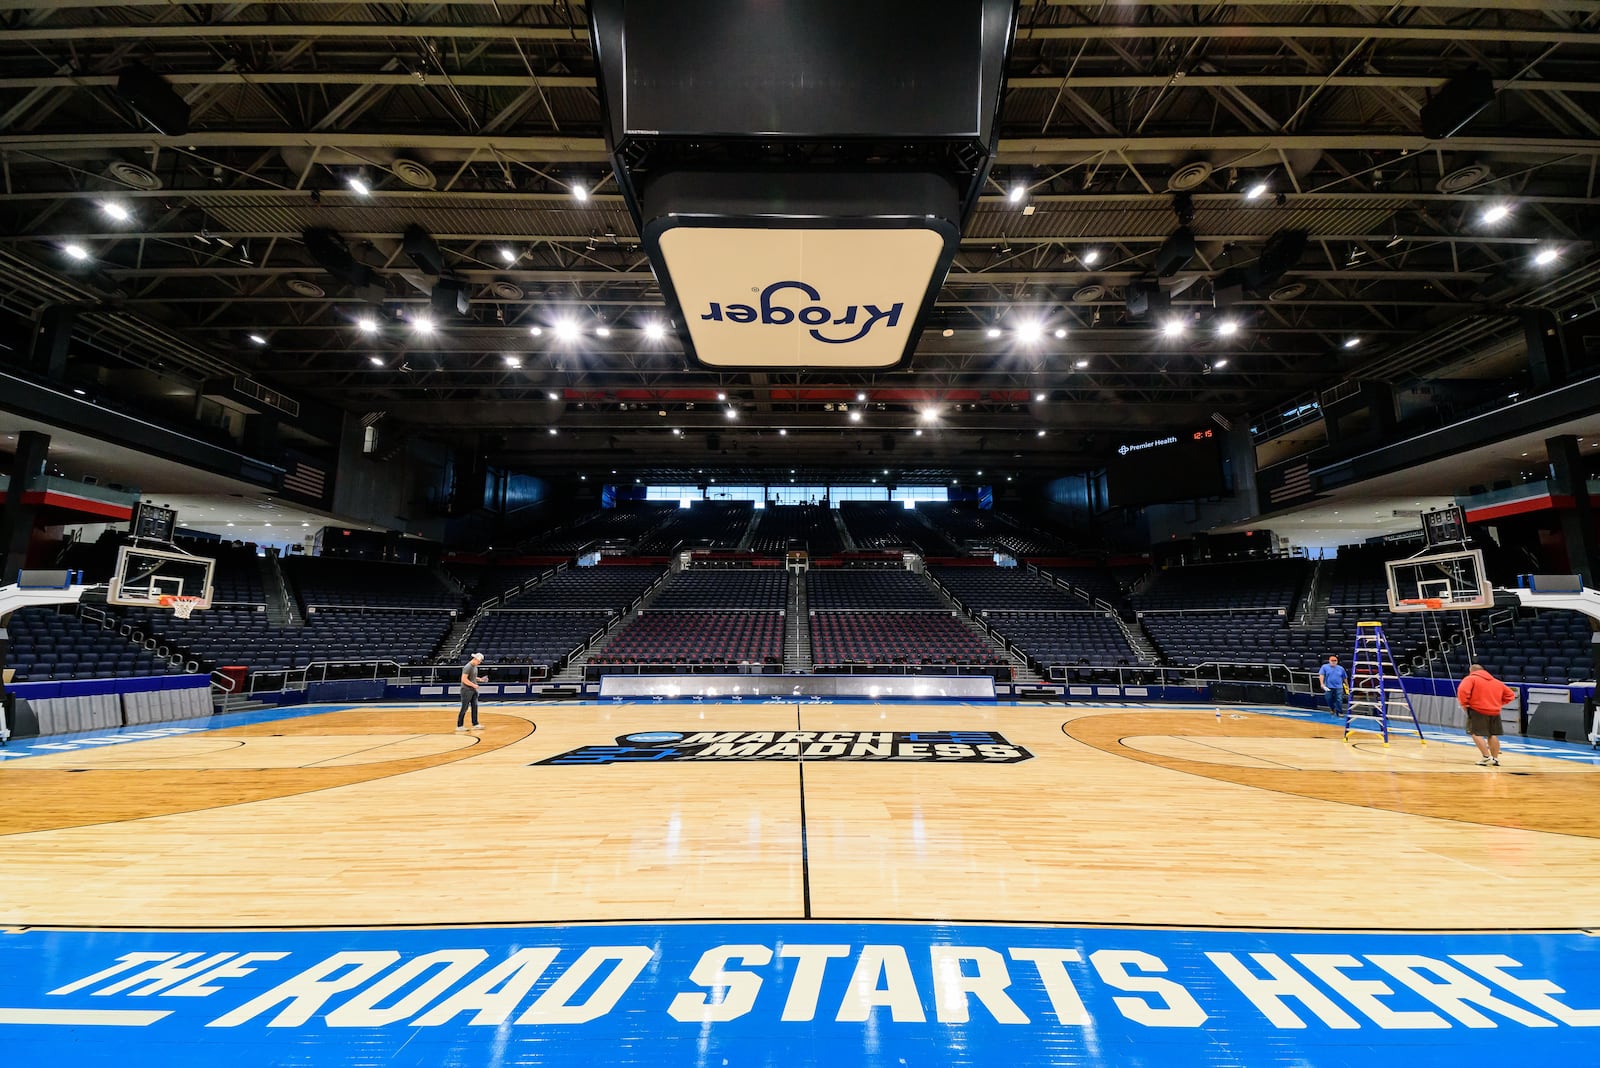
475	121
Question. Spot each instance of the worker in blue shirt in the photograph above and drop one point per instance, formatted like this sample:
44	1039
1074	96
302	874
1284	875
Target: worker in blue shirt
1335	682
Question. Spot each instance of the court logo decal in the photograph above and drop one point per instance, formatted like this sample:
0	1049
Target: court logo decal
918	747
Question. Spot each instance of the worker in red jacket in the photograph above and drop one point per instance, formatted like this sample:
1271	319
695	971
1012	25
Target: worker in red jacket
1482	696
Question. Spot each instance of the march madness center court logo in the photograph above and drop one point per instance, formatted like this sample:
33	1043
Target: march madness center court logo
922	747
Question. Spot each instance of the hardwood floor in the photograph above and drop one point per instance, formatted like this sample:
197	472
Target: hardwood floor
386	816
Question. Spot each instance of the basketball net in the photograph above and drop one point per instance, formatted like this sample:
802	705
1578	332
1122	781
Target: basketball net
182	607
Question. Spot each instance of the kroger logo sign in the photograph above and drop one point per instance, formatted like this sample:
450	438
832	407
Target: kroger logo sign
847	324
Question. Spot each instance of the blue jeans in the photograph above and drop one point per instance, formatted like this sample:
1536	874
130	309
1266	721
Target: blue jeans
469	699
1338	701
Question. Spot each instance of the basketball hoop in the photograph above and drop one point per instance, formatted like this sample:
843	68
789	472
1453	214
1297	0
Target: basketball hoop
182	607
1431	603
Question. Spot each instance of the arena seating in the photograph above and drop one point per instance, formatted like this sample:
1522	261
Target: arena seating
1061	638
840	638
805	526
224	636
1252	636
724	589
488	581
889	525
624	524
871	589
697	638
968	524
707	525
1542	647
586	589
236	578
538	638
1109	584
337	582
47	645
1005	588
1240	584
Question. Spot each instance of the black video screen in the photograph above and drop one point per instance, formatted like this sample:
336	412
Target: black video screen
804	67
1183	466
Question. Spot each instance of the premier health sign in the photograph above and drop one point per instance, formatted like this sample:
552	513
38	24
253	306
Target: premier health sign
796	994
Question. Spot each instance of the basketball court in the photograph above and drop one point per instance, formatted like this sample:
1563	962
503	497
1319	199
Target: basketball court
795	883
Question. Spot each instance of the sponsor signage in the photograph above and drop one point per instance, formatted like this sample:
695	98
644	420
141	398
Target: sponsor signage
757	297
917	747
797	993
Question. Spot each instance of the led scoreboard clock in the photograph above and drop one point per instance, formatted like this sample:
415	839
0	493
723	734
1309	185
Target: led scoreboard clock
1447	526
153	523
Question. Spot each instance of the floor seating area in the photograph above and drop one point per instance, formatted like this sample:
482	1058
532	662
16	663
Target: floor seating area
47	645
797	526
697	638
880	590
335	582
840	638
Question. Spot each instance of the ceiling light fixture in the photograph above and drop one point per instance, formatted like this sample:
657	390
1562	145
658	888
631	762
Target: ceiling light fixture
1547	256
782	433
602	331
536	331
732	413
992	332
579	193
1173	328
947	332
367	325
116	211
376	361
358	185
76	251
1227	328
513	360
1040	433
567	330
855	417
508	254
1256	191
1496	213
422	325
1039	397
1220	364
1351	342
1061	332
258	339
1081	364
1091	257
1030	333
654	331
553	395
1017	194
930	415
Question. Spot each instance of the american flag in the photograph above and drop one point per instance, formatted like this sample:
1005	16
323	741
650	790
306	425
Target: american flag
1296	482
306	480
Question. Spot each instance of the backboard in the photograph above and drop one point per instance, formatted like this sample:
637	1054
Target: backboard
1439	582
144	576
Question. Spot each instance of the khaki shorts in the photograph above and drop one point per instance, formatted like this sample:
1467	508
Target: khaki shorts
1484	726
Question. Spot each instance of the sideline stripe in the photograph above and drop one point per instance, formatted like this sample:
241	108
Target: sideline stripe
82	1017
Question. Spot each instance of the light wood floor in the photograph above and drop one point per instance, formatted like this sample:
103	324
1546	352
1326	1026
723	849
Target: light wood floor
385	816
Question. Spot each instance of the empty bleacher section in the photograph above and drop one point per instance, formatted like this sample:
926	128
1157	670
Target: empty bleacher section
236	577
799	526
724	589
894	638
698	638
488	582
624	524
879	525
227	636
973	527
851	589
1057	639
339	583
711	615
47	645
587	589
538	639
1050	626
708	525
1540	647
1111	584
1234	585
1233	613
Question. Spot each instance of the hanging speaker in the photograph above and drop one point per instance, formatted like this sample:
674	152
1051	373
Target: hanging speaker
449	297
